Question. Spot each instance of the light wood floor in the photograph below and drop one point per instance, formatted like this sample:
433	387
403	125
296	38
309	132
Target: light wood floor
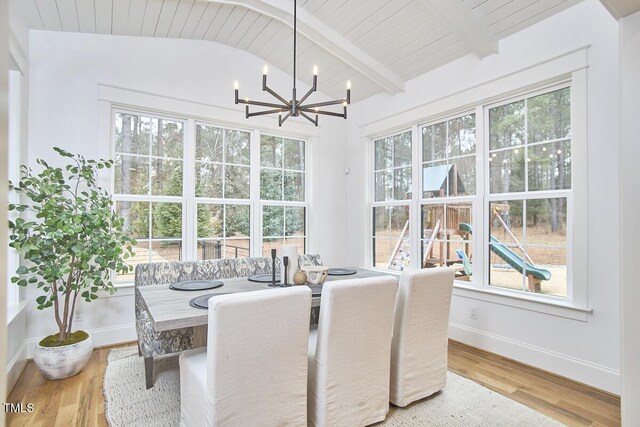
78	401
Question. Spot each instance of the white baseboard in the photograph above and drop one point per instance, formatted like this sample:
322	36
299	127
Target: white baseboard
15	366
101	337
578	370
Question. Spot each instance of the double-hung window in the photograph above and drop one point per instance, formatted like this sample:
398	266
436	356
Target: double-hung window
495	200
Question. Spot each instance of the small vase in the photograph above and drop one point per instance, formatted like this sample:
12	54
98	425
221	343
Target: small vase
299	278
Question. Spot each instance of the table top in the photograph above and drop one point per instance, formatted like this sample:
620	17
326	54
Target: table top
170	309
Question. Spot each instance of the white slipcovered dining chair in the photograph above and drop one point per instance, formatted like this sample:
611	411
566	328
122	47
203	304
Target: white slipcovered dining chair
253	371
349	353
420	335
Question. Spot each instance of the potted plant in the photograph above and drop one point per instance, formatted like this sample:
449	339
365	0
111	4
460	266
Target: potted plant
71	241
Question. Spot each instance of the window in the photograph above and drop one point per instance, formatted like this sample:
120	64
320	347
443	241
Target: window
148	185
392	193
185	189
282	192
222	189
495	204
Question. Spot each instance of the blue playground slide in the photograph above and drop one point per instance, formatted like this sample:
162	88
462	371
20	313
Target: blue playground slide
512	258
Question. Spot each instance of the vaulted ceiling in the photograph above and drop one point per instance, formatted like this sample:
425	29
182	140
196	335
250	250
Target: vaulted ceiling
377	44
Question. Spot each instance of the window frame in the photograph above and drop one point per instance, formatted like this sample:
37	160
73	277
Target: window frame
574	305
188	199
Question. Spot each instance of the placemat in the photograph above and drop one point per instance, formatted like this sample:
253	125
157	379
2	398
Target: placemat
342	271
202	301
196	285
264	278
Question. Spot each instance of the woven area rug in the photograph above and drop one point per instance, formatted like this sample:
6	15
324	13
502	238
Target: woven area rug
461	403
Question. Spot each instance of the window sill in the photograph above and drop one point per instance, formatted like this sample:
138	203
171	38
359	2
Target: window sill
13	310
525	302
122	290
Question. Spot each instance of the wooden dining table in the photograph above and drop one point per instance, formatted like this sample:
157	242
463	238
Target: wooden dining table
169	309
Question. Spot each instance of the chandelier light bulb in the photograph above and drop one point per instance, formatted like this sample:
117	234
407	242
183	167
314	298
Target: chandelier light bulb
265	70
344	104
348	84
236	85
315	70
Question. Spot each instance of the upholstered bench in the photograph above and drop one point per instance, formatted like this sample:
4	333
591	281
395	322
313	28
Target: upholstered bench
152	343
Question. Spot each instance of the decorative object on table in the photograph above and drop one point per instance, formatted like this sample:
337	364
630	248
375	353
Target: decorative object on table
273	269
196	285
300	278
265	278
294	107
290	251
202	301
285	273
316	275
69	250
341	271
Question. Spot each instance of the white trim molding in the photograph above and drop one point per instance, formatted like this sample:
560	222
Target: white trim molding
576	369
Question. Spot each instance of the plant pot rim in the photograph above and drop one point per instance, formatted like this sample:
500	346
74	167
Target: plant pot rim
67	345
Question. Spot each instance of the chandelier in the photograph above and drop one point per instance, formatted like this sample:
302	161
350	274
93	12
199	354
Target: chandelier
294	107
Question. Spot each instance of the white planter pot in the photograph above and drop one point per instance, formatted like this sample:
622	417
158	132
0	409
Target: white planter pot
57	363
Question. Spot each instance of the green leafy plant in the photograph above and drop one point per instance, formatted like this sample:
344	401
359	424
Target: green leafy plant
68	235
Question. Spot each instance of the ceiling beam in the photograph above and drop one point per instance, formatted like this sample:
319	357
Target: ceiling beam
464	24
621	8
326	38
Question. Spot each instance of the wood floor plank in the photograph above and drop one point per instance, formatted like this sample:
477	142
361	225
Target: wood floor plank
79	400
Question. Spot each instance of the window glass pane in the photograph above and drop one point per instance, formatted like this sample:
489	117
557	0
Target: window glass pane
294	154
236	248
209	249
210	220
506	170
553	263
273	221
462	136
402	150
435	179
383	186
136	218
505	267
434	142
166	220
549	116
268	244
238	221
208	180
237	147
168	139
209	143
299	243
446	236
549	166
506	125
505	222
270	151
462	176
294	221
166	251
402	183
131	175
132	134
271	184
140	256
390	221
382	249
383	154
236	185
547	221
166	177
293	186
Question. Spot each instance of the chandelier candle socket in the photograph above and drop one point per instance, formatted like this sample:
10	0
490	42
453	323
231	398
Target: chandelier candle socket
294	107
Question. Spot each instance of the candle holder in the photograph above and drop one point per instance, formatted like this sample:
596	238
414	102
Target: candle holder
273	269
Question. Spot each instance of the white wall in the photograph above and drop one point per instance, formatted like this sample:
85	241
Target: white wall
586	351
66	71
630	205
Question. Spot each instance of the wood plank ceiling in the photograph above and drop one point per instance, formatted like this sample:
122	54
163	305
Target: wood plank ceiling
403	38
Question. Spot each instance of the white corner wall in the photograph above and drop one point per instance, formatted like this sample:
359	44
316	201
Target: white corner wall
630	206
585	351
66	71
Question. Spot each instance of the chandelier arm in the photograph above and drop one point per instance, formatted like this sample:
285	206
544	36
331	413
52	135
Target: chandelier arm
264	104
274	94
281	119
306	95
325	104
315	122
326	113
265	112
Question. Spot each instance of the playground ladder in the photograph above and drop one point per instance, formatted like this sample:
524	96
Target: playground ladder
427	250
400	255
